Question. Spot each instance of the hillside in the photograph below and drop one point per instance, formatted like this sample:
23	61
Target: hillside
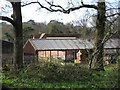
31	28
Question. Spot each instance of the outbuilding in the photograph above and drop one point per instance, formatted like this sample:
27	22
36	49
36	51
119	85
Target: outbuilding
111	50
66	49
7	53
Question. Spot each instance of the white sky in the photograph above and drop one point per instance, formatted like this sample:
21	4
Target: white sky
42	15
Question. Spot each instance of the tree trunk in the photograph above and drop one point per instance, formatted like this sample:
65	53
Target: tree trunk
118	51
119	26
18	41
100	26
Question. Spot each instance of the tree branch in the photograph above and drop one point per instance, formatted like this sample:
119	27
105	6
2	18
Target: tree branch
61	9
113	15
7	19
112	9
83	6
39	5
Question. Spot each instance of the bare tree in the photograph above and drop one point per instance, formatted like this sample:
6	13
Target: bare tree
16	21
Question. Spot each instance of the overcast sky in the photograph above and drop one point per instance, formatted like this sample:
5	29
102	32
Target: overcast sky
42	15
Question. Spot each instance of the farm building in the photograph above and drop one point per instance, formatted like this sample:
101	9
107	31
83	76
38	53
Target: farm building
7	53
66	49
112	50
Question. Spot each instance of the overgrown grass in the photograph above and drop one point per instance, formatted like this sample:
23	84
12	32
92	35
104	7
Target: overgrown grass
55	75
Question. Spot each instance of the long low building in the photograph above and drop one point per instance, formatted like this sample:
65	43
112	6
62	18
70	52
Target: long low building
65	49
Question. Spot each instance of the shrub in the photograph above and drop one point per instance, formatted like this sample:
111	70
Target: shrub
50	71
55	75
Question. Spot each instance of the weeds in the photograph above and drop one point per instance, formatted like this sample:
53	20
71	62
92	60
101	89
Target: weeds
52	75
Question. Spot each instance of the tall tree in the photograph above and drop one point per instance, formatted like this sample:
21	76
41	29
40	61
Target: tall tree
16	21
100	26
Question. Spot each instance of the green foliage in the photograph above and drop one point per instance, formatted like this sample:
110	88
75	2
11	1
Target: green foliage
9	37
53	27
27	33
56	27
55	72
55	75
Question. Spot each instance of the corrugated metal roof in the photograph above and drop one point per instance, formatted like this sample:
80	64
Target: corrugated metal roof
112	43
64	44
